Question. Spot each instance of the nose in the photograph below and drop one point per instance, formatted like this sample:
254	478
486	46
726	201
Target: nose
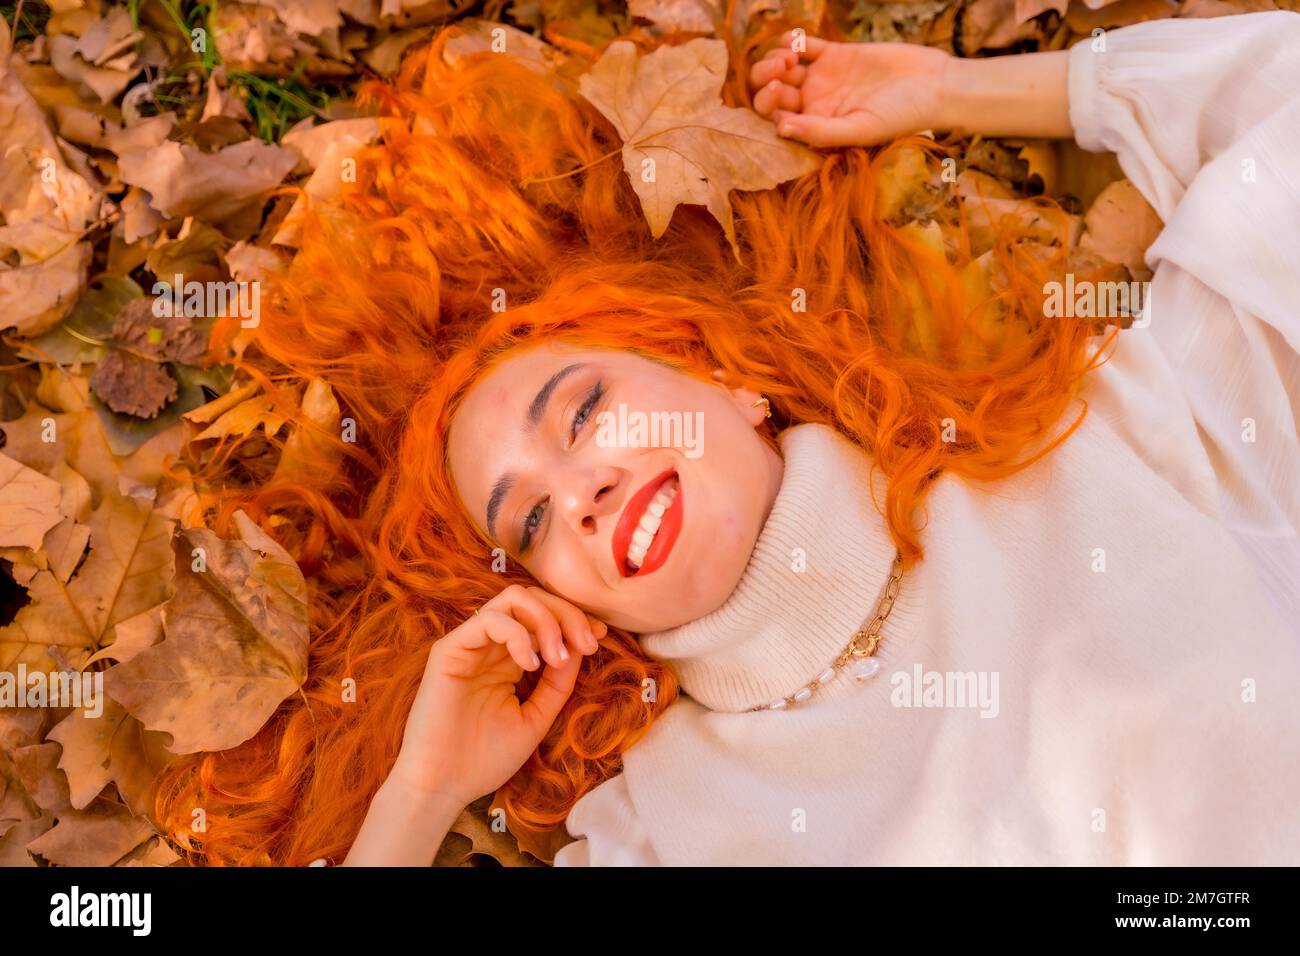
588	496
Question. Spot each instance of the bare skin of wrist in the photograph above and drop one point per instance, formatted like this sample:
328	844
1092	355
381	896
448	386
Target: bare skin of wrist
1022	96
404	826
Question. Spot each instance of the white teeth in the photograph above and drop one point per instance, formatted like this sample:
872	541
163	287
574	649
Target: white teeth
649	524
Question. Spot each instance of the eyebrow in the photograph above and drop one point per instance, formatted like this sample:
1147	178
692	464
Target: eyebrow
536	411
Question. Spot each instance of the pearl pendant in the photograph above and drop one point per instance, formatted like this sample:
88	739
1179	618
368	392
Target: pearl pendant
864	668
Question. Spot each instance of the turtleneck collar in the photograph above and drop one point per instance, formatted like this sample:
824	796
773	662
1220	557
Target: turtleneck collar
814	578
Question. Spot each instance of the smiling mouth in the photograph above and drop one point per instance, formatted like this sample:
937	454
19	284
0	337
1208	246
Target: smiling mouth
649	526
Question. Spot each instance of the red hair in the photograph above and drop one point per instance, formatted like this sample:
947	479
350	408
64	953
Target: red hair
490	178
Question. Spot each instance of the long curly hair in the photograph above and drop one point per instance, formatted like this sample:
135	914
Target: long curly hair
492	184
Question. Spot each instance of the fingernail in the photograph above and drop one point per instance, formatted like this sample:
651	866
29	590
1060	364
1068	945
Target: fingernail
564	653
786	128
537	661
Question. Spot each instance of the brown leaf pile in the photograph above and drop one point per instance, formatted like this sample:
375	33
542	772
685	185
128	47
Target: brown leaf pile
147	141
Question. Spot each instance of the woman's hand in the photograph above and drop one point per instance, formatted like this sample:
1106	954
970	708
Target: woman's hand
849	94
467	732
860	94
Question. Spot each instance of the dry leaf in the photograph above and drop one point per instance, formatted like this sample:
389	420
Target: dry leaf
309	452
38	772
229	185
680	143
29	504
214	409
235	645
252	38
100	835
993	24
476	828
243	418
677	16
128	570
250	263
1120	227
385	57
485	36
311	17
131	385
106	82
1121	13
327	149
902	183
45	206
112	747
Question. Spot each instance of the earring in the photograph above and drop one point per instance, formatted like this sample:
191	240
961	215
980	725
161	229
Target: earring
764	401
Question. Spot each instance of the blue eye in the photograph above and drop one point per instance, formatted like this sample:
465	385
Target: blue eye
531	524
584	411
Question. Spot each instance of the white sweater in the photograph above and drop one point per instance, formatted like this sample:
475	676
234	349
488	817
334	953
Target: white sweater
1144	713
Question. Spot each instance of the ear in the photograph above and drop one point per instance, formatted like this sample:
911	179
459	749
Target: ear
746	400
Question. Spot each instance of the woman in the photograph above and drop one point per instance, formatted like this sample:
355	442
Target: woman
931	619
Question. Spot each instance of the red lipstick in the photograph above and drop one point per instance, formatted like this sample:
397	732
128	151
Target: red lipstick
669	527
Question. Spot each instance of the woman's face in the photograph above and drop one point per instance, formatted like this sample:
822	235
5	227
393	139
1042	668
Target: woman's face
627	487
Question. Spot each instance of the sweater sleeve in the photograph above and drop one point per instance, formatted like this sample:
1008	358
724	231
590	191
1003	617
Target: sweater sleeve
609	832
1204	117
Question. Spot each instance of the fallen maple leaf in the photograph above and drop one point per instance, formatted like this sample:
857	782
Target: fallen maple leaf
235	645
477	832
112	746
29	504
681	144
101	835
128	570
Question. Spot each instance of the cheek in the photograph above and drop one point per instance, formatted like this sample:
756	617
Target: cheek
566	571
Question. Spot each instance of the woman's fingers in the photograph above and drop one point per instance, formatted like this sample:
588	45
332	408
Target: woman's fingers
777	96
560	627
851	130
771	67
503	629
543	704
813	47
574	622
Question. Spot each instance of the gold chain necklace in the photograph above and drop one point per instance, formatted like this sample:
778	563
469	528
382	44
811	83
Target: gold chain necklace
858	655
